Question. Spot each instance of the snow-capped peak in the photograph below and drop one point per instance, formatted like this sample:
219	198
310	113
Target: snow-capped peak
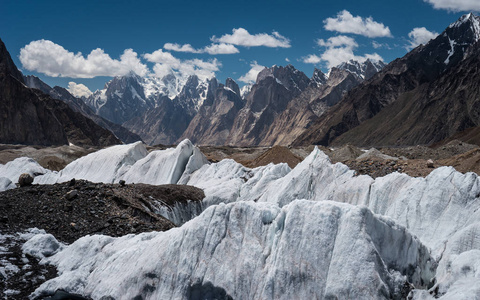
364	70
471	19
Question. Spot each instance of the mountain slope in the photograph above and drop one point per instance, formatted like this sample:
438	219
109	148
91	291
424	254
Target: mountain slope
422	65
429	113
79	106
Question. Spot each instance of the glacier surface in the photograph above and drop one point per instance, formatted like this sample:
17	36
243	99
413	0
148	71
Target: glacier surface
317	230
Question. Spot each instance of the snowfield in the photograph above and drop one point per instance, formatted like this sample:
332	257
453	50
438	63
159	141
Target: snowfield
315	231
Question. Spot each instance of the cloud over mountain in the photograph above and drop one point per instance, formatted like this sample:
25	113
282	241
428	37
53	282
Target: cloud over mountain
46	57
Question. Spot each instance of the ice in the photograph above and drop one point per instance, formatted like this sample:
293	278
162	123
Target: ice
133	164
6	184
106	165
165	166
10	172
249	250
351	237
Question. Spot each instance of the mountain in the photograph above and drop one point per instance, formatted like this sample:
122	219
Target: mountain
419	68
213	122
364	70
314	100
31	117
79	106
430	113
268	98
167	121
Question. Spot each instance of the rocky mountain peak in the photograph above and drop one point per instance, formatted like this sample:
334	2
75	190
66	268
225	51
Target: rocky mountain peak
364	70
319	78
231	84
7	67
291	78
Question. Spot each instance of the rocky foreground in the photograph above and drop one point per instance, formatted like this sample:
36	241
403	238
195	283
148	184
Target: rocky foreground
72	210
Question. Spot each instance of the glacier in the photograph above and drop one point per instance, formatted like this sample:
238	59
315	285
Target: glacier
318	230
249	250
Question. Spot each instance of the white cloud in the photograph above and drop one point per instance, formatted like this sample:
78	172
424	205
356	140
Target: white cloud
338	41
312	59
287	59
51	59
166	63
241	37
78	89
345	22
213	49
251	75
378	45
180	48
456	5
221	48
338	49
420	35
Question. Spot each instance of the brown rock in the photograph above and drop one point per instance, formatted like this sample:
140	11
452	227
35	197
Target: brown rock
25	180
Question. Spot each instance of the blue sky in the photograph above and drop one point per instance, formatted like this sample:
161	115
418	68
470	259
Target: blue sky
58	36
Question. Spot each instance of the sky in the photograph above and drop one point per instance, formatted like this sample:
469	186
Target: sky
80	45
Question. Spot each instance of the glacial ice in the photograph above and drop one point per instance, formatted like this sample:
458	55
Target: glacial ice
255	239
131	163
10	172
250	250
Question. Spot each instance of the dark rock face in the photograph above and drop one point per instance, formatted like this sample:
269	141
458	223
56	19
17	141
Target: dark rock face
214	120
161	125
422	65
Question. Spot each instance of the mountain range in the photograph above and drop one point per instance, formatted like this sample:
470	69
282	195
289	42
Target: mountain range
427	96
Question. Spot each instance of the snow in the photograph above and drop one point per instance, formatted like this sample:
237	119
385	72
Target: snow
451	51
250	250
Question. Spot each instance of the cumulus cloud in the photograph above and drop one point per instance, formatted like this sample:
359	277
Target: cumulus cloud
338	49
166	63
221	48
251	75
345	22
456	5
213	49
241	37
312	59
420	35
180	48
51	59
78	89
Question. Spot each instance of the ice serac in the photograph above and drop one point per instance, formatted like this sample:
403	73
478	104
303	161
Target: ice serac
250	250
164	166
11	171
133	164
106	165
